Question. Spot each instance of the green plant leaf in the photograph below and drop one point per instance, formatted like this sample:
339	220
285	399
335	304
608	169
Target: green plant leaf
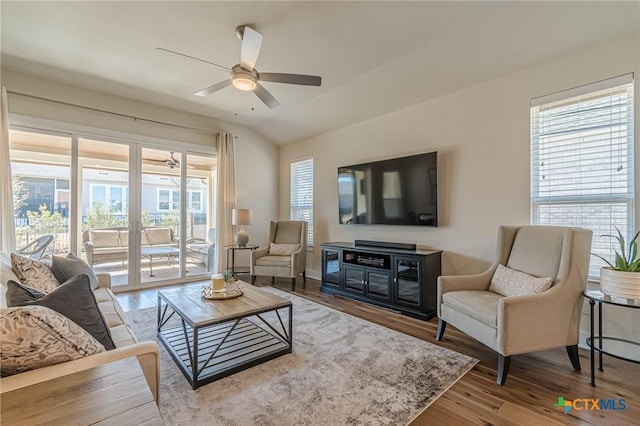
621	263
604	260
633	245
621	242
633	251
635	266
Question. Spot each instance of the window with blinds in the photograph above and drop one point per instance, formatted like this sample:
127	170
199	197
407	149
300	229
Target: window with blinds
582	161
302	194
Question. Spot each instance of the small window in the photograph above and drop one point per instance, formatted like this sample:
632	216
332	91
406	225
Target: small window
302	194
163	200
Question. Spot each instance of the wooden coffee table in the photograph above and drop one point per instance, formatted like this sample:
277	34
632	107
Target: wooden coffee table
211	339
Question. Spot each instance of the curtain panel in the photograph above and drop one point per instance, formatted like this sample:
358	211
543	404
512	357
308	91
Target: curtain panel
7	223
226	200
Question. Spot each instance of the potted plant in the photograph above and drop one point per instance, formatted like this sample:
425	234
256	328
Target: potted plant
622	277
228	276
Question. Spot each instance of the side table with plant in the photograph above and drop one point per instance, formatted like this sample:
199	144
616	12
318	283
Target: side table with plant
621	278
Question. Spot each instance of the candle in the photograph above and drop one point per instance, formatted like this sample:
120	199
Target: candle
217	282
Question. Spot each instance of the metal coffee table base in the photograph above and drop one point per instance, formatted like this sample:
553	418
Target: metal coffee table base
212	352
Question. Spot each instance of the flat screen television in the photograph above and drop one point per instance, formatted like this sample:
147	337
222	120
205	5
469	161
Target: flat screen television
399	191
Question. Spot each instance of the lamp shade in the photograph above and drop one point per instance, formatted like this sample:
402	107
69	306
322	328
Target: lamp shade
241	216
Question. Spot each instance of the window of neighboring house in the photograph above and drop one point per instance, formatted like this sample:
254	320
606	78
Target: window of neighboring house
195	198
111	198
582	161
163	200
301	198
175	205
170	200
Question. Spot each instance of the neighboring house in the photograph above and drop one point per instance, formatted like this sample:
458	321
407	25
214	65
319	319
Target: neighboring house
49	185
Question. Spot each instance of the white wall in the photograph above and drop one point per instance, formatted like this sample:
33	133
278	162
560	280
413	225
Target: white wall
256	157
482	136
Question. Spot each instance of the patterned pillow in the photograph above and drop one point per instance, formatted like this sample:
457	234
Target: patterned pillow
34	273
35	337
283	249
509	282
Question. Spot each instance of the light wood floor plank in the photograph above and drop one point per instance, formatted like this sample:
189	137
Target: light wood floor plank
534	384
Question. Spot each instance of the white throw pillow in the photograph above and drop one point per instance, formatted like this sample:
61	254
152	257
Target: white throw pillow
283	249
509	282
36	336
34	273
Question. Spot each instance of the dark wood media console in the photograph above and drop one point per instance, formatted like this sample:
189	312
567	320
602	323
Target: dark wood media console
402	280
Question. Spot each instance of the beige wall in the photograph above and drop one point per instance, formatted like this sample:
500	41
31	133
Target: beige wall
482	136
256	157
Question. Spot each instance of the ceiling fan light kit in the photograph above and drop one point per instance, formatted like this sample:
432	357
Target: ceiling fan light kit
243	80
244	77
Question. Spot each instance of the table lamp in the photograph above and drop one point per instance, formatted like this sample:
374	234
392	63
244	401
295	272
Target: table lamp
241	217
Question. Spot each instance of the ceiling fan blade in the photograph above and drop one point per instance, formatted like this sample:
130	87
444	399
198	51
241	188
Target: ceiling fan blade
251	44
191	58
209	90
278	77
266	97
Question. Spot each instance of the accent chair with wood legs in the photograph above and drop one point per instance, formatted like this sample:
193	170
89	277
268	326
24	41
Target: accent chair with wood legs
517	324
285	254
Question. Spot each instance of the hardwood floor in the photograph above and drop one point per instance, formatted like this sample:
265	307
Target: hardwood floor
533	386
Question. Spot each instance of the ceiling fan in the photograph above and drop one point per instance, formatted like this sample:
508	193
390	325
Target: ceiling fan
170	162
244	76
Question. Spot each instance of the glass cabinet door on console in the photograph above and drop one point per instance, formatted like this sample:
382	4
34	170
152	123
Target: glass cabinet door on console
407	281
377	284
354	279
331	265
367	282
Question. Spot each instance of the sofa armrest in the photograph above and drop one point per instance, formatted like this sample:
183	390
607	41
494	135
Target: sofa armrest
104	280
147	353
88	249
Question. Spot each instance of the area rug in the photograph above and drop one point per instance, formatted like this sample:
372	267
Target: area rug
343	371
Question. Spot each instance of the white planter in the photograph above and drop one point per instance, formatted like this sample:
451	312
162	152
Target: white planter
620	284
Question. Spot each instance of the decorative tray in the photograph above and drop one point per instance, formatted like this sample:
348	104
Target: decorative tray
229	293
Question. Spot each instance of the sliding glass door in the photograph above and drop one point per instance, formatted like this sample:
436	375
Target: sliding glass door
142	214
103	208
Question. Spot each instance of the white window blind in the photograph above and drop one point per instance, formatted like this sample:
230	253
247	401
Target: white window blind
582	163
302	194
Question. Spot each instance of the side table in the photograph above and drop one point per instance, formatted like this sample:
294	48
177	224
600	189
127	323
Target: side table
611	346
232	248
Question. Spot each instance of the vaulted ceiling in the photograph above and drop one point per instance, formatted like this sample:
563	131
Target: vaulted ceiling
374	57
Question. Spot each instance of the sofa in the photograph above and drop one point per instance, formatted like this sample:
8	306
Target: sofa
126	342
112	244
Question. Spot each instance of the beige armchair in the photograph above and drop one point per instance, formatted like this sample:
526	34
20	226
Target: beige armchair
519	324
285	254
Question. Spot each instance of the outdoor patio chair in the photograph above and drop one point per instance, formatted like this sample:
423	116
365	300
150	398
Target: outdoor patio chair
36	249
203	249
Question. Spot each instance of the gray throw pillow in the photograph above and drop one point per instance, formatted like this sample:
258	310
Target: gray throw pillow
74	299
66	267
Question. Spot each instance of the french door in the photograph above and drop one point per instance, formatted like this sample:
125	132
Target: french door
140	212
